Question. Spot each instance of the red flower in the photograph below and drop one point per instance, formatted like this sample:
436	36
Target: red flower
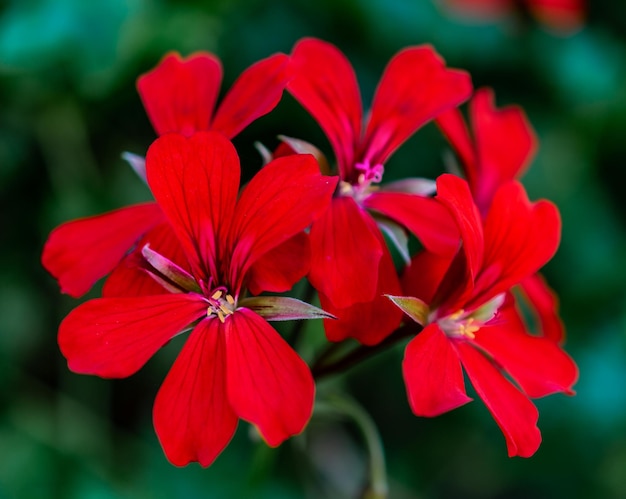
179	96
234	364
561	15
349	256
499	148
469	319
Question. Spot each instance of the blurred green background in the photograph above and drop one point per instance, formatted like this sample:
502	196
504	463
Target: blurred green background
68	108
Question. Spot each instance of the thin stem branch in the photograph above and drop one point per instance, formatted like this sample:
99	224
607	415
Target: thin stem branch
362	352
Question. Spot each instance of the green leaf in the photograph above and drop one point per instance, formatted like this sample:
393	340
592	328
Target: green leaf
282	308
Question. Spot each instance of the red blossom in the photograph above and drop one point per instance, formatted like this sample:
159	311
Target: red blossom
564	16
179	96
497	148
347	250
469	318
234	365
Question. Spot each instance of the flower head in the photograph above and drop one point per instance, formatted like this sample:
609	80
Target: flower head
234	364
469	320
348	250
179	96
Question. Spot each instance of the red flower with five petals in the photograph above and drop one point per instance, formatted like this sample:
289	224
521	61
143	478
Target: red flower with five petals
234	364
500	147
351	267
470	323
179	96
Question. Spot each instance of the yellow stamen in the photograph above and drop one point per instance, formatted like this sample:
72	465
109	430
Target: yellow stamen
457	315
209	312
217	295
220	316
230	300
225	310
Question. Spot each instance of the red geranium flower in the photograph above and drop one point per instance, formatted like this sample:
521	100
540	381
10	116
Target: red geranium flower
179	96
351	266
561	15
234	364
469	321
499	148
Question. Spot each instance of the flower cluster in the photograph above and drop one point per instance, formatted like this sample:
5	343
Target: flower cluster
200	257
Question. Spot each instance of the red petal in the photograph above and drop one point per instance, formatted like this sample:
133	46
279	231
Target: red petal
423	216
324	82
432	374
520	237
279	269
346	253
505	142
130	278
115	337
192	415
544	304
538	365
424	275
415	87
79	253
452	125
255	93
453	192
179	94
370	322
195	181
513	411
279	202
269	385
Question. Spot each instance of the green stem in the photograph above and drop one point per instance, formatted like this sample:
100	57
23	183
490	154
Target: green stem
377	487
321	370
296	331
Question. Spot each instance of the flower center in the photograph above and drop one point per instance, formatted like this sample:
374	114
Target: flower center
221	303
462	324
368	175
459	325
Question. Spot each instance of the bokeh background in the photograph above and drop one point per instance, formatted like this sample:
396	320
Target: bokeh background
68	109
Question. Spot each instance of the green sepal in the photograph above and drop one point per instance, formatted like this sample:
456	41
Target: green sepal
283	308
415	308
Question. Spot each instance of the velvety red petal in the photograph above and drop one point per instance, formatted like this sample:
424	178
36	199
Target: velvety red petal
505	143
429	220
279	202
454	193
279	269
268	384
179	94
195	181
255	93
424	275
432	374
130	278
415	87
192	416
369	322
544	304
453	127
115	337
538	365
324	82
520	237
80	252
345	254
562	15
513	411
